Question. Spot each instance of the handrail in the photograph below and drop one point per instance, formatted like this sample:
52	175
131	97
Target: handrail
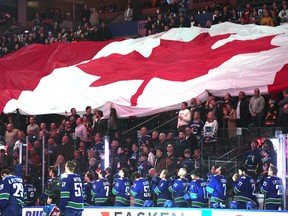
163	124
232	150
136	126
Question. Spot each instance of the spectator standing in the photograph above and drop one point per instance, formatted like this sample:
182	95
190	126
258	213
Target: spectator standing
252	159
210	127
283	101
184	117
196	124
144	165
191	138
89	115
128	13
32	129
10	137
283	120
181	144
85	14
229	119
112	124
80	130
65	148
72	118
242	110
283	14
160	161
99	124
94	17
272	114
144	138
256	108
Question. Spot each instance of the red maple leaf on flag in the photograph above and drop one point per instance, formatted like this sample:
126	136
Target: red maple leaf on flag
24	69
171	60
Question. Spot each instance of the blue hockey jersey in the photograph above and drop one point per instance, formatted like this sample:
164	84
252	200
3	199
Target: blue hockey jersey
244	189
121	190
141	191
71	192
272	188
178	189
11	194
162	192
88	198
217	189
101	191
198	193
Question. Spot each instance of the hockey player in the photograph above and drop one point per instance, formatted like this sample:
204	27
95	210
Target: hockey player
162	189
11	194
197	191
217	189
140	190
179	188
121	188
71	199
244	188
89	181
273	189
101	190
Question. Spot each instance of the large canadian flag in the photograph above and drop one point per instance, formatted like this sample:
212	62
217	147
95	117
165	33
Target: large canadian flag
140	77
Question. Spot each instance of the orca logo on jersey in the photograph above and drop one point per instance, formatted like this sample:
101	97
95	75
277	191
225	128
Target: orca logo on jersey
1	187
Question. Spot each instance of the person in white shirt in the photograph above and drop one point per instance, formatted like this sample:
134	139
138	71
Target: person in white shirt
184	117
210	127
283	14
128	14
81	130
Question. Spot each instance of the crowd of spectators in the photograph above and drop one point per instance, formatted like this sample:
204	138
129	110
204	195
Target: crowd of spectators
46	30
46	24
81	139
177	16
